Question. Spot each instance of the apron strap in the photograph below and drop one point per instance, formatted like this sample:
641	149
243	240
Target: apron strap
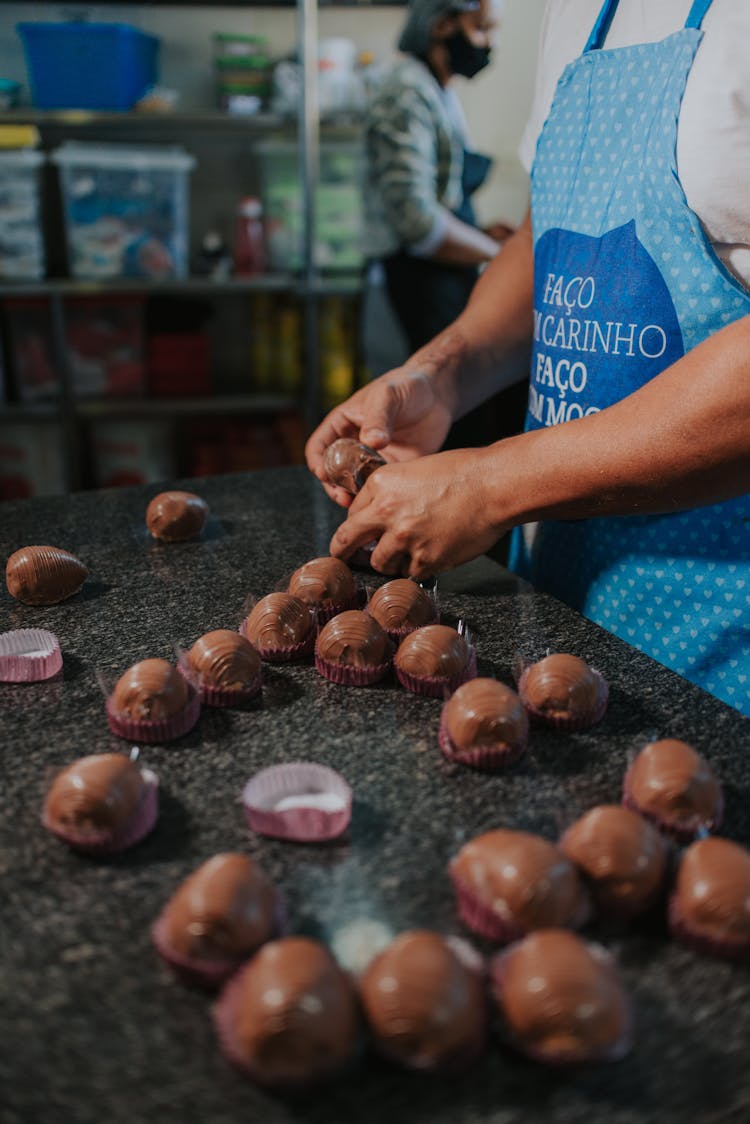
697	12
609	7
601	27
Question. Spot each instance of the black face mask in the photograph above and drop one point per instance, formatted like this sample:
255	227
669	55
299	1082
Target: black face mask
465	59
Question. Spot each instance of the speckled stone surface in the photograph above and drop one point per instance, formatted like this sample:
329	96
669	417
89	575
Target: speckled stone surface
92	1026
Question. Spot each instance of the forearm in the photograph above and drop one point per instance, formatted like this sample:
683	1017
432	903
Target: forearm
681	441
463	244
479	352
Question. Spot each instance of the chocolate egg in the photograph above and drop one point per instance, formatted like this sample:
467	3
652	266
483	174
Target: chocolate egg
220	914
224	659
95	796
433	652
621	855
44	575
674	787
348	464
426	1009
562	690
279	623
401	606
353	639
510	882
150	690
710	906
323	581
562	1000
176	516
483	723
289	1017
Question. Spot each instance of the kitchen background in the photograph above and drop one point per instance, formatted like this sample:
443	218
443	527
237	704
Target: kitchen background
156	304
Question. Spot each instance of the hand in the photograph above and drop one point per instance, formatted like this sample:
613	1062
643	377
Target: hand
402	414
499	231
429	515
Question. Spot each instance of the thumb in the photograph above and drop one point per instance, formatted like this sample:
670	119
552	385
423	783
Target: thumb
376	429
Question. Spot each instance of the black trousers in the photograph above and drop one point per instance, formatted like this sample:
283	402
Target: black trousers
426	297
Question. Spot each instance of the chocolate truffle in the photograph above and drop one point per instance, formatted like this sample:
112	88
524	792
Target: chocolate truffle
280	627
674	787
352	649
348	464
562	690
289	1017
483	724
400	606
622	857
433	660
217	918
562	1000
710	906
152	702
102	803
510	882
176	516
325	583
151	690
44	575
227	667
426	1009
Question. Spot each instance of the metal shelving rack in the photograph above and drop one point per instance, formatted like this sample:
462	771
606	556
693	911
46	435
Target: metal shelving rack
309	287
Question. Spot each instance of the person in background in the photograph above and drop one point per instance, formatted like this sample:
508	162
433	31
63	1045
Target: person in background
630	276
421	175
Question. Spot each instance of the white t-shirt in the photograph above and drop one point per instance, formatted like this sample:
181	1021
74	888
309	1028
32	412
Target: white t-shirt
713	135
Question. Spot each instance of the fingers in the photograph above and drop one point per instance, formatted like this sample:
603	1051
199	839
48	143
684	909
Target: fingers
389	557
335	425
356	531
380	413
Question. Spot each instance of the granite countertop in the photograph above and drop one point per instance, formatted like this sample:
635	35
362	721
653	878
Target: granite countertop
94	1028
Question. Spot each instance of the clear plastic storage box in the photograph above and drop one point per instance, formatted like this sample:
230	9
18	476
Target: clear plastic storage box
338	206
126	209
21	238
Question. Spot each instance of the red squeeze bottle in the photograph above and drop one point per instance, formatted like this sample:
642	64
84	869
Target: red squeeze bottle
249	241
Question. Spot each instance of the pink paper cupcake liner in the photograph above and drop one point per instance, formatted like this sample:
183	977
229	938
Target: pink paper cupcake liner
29	655
137	827
583	721
680	832
480	757
284	655
326	816
433	687
208	974
562	1058
159	730
348	676
727	949
222	696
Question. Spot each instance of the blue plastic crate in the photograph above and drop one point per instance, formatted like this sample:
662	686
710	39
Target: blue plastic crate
88	65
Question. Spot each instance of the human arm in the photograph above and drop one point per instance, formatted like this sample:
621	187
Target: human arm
680	441
407	412
413	168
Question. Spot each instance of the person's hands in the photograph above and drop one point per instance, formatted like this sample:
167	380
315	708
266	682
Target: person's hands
499	231
428	515
402	414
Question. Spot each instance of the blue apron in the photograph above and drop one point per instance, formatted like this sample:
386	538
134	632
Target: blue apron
625	283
